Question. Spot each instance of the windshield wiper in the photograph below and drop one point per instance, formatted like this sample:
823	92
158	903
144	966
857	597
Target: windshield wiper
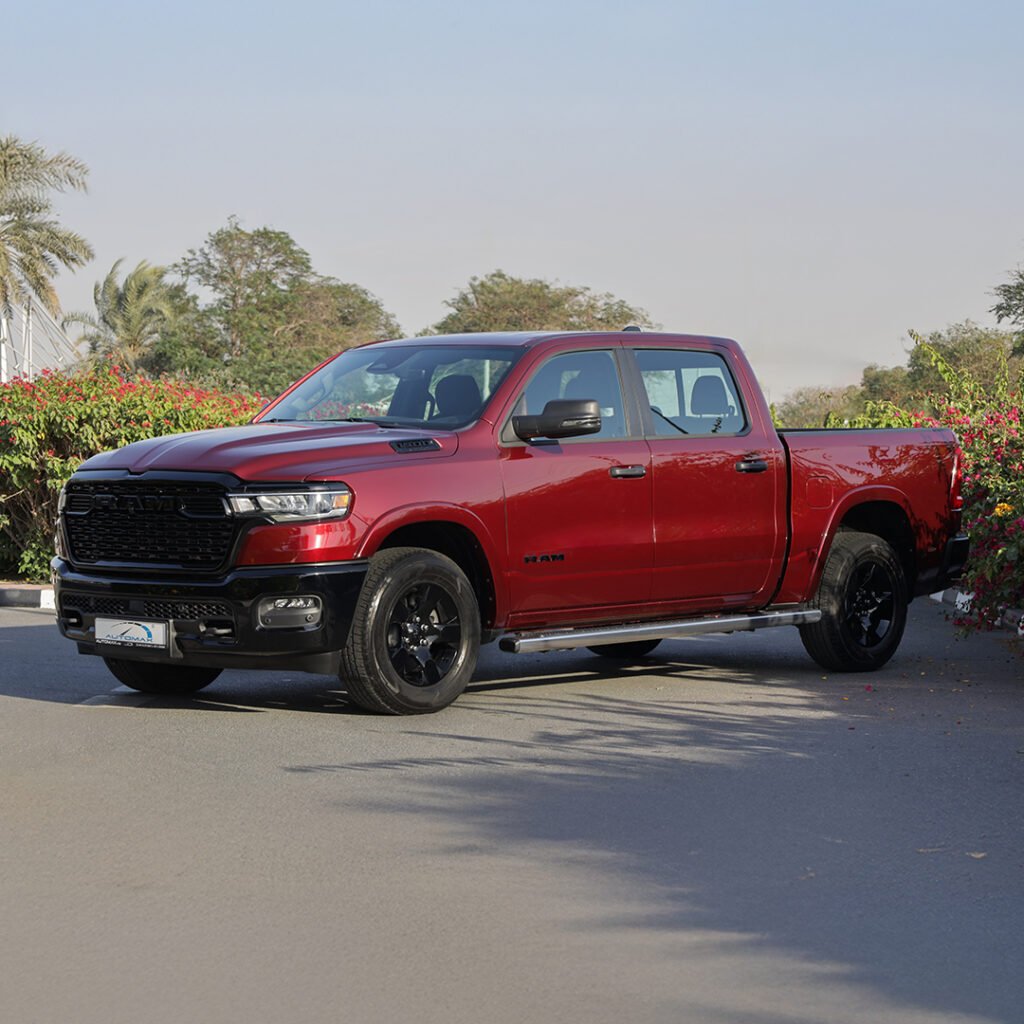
359	419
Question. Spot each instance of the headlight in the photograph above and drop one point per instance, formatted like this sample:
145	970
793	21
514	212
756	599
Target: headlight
332	503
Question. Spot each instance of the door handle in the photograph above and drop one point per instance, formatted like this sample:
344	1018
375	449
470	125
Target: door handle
751	465
627	472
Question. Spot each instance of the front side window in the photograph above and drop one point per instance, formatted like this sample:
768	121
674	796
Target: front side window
592	375
402	385
690	392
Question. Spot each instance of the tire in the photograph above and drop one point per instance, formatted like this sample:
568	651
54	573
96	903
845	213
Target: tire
863	602
632	650
415	635
148	677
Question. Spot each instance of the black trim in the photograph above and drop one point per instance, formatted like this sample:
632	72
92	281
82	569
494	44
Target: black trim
246	644
954	559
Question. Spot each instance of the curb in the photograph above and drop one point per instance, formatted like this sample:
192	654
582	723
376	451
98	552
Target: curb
26	595
1012	618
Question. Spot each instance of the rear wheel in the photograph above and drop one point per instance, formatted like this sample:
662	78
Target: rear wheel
167	679
632	651
863	602
415	634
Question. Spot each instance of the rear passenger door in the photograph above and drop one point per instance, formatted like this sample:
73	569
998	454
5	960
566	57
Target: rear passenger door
719	482
578	510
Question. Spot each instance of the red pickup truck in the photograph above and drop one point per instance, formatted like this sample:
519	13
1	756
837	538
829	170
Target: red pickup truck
409	500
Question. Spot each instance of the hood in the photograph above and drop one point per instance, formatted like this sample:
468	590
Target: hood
279	451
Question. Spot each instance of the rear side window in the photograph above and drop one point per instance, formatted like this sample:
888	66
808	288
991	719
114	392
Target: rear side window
690	392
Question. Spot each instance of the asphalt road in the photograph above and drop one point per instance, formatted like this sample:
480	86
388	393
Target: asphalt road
723	835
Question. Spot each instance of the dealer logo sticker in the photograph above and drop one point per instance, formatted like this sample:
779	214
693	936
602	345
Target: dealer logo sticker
131	633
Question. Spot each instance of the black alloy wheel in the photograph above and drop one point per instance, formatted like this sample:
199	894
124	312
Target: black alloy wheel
424	634
863	602
415	635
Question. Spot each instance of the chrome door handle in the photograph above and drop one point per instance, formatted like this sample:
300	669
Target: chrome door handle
627	472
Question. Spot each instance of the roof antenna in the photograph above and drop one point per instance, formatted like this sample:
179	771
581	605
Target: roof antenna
632	327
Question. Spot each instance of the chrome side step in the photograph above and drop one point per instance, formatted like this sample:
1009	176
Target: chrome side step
566	639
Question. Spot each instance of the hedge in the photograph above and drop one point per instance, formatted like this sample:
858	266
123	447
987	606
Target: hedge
988	419
50	425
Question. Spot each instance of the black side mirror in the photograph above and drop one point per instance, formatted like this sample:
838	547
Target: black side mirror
562	417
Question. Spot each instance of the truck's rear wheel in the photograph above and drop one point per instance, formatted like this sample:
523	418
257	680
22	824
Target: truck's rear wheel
632	650
415	634
863	602
167	679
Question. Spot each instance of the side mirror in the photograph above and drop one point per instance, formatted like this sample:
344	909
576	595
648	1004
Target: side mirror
562	417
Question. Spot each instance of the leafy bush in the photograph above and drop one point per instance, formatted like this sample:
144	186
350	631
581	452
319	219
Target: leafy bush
989	422
48	426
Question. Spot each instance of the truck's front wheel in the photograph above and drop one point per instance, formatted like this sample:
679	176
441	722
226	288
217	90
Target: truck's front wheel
415	634
863	602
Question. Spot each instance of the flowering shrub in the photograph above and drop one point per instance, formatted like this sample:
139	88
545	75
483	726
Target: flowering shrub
989	422
49	425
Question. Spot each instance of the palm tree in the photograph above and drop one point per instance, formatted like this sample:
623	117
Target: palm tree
33	245
129	316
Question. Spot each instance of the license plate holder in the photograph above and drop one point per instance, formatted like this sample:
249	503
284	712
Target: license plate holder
148	634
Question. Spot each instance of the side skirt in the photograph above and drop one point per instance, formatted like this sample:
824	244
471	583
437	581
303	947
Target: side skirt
566	639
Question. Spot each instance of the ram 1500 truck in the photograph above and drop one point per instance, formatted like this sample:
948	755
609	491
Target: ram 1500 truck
409	500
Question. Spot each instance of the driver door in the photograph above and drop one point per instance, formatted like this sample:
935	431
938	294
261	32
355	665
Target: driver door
578	511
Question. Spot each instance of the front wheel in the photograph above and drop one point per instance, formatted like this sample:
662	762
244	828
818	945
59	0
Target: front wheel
415	634
863	602
166	679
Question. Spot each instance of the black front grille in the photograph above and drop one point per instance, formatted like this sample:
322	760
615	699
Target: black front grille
96	605
191	610
152	522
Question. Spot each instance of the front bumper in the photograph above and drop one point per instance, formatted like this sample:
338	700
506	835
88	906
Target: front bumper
214	623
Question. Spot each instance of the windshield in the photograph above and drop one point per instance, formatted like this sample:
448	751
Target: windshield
402	385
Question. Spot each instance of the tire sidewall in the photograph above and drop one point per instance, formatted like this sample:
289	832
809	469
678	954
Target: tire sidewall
414	571
851	558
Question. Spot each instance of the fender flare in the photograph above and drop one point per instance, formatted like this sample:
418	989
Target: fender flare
443	512
873	493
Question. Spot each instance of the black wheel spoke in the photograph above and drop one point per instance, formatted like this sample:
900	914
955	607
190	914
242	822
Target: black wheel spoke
424	634
450	633
870	603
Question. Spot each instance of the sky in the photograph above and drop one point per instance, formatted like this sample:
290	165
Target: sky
812	179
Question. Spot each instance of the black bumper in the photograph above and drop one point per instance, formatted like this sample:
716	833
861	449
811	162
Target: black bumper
954	558
214	623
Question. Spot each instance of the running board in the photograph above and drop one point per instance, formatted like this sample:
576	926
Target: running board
566	639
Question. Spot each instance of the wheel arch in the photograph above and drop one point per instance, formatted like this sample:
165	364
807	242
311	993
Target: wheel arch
884	513
452	532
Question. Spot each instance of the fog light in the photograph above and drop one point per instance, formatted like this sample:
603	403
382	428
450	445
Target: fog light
290	612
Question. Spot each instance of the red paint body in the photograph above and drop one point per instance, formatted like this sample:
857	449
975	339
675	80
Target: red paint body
692	535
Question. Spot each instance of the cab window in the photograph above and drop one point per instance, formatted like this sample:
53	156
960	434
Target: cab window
579	375
690	392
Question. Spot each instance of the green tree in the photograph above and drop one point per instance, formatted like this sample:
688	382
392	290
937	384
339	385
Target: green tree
819	407
500	302
130	315
1011	306
271	316
33	245
965	348
250	274
320	317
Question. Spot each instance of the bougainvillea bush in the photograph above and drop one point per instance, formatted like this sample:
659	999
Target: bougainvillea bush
51	424
988	418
